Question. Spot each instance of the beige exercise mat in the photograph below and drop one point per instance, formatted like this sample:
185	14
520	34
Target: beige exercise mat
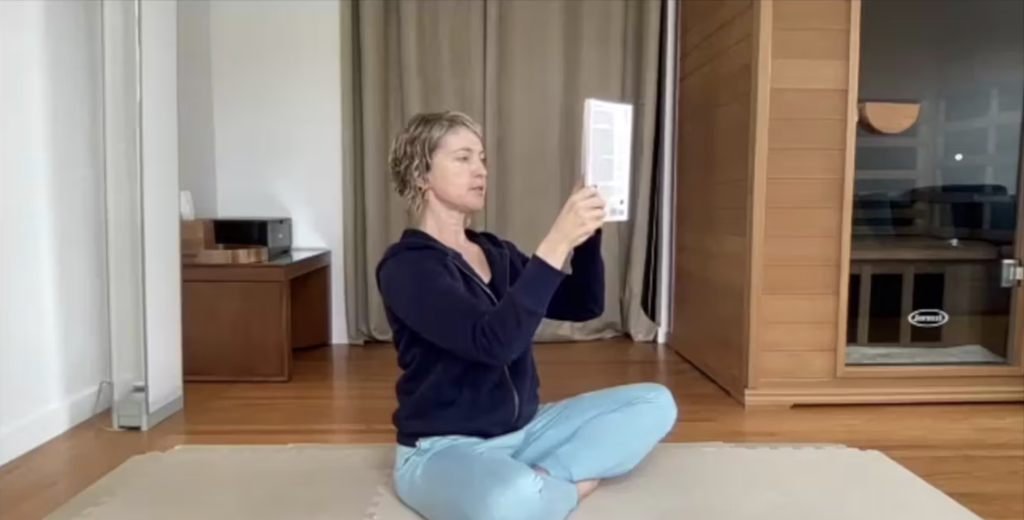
678	481
238	482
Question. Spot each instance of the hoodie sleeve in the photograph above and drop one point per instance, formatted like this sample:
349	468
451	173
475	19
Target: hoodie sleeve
580	296
428	299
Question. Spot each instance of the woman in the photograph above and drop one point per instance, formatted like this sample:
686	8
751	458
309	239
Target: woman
474	444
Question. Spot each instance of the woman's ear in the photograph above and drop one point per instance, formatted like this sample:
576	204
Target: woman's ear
422	182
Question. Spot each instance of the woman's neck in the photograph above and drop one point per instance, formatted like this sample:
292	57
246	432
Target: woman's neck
446	225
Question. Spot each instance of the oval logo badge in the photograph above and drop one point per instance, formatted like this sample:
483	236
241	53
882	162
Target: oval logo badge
928	318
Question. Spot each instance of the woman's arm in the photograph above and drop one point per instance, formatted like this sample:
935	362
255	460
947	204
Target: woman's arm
580	296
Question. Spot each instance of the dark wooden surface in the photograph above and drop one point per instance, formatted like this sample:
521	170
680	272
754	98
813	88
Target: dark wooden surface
281	268
236	331
311	309
920	249
241	322
342	395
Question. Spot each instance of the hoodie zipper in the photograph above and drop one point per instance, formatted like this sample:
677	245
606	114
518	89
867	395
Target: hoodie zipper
508	375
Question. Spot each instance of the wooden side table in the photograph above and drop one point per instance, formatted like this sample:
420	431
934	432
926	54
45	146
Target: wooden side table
241	321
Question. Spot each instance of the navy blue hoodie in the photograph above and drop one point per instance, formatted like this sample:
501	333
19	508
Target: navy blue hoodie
465	346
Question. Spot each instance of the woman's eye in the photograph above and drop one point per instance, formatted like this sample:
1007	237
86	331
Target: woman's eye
462	159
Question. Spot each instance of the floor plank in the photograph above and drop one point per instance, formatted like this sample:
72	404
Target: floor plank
975	453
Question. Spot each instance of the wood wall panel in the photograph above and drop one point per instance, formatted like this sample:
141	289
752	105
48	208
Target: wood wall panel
803	193
801	251
799	309
699	19
799	336
801	222
733	33
801	279
805	164
788	365
810	74
808	140
814	44
807	134
713	187
811	14
808	104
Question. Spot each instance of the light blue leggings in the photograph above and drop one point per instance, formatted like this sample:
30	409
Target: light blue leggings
596	435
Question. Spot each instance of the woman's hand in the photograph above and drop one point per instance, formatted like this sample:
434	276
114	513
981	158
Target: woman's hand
581	216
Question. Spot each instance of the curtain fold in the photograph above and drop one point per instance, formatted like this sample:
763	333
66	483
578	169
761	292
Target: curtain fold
522	69
398	58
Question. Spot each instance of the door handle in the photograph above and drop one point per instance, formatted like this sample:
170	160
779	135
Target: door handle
1012	273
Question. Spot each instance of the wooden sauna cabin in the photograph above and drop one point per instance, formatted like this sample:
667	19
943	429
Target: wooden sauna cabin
848	199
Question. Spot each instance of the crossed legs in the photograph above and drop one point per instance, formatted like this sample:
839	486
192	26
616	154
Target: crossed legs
542	471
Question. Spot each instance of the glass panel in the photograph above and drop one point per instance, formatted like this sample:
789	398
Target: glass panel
935	207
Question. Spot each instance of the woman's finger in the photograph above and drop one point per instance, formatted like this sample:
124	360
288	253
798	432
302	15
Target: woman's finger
594	215
592	202
587	192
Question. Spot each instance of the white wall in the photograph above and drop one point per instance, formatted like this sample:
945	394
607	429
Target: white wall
53	323
196	135
277	119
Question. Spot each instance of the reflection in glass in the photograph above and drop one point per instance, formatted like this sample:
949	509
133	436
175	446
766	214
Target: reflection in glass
935	207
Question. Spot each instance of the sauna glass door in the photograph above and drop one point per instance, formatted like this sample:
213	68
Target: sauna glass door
936	218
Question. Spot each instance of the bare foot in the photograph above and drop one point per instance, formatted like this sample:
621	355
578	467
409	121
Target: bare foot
586	487
583	489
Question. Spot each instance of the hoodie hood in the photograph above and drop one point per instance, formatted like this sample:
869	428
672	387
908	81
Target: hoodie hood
417	242
421	241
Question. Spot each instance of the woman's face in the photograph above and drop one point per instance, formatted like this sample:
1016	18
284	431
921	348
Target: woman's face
458	173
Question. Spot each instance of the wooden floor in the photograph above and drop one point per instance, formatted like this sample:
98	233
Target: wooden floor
975	453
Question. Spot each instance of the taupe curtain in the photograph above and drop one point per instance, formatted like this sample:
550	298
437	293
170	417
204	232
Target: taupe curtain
522	69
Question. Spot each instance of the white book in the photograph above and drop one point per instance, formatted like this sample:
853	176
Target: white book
607	153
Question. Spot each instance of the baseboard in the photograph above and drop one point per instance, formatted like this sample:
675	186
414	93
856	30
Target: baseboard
785	397
160	414
42	427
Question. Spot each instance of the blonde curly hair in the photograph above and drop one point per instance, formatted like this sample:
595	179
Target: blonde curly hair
412	149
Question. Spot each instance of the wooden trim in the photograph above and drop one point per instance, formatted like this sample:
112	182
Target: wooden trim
906	302
887	391
1016	349
849	168
881	395
237	379
286	324
863	310
932	371
761	104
